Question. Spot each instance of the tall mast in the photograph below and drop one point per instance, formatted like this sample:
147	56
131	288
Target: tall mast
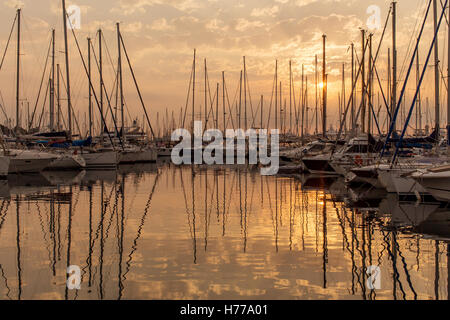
389	87
100	62
303	102
66	49
290	96
436	75
240	101
363	87
217	107
317	96
394	60
245	95
343	95
90	88
276	94
58	118
206	95
52	85
120	80
324	89
18	69
223	103
369	86
193	96
419	98
262	110
306	107
448	102
281	107
353	93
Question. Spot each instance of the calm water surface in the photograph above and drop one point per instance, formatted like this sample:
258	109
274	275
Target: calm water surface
165	232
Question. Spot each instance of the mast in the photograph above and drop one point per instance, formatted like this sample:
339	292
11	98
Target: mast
206	96
90	89
58	118
66	49
290	96
306	107
343	95
394	60
281	107
363	87
419	98
324	89
52	85
262	109
217	107
193	96
223	102
303	103
317	95
369	88
100	62
353	93
276	94
120	81
448	116
245	95
240	101
389	87
19	11
436	75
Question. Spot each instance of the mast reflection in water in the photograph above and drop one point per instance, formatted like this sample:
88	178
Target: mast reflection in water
165	232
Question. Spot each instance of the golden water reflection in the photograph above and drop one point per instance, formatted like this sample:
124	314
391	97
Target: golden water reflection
166	232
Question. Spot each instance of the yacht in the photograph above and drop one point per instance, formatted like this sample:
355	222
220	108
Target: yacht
100	159
67	161
359	151
28	161
435	180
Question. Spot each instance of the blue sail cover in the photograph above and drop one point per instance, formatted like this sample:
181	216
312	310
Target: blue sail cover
82	143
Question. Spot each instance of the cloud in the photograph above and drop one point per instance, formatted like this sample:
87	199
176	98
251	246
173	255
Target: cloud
14	4
265	12
129	7
161	25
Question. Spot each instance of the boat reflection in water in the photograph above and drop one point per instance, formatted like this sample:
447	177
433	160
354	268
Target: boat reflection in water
165	232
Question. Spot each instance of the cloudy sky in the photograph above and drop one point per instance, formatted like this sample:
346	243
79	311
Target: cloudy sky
162	34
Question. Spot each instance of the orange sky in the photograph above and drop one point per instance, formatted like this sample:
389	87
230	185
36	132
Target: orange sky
161	35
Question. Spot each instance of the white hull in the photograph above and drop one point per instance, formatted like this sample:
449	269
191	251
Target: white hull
100	160
437	183
68	162
138	156
28	161
395	181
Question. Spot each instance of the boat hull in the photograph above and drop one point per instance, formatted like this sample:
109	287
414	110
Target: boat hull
319	166
395	181
4	167
437	184
101	160
67	162
138	156
24	161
